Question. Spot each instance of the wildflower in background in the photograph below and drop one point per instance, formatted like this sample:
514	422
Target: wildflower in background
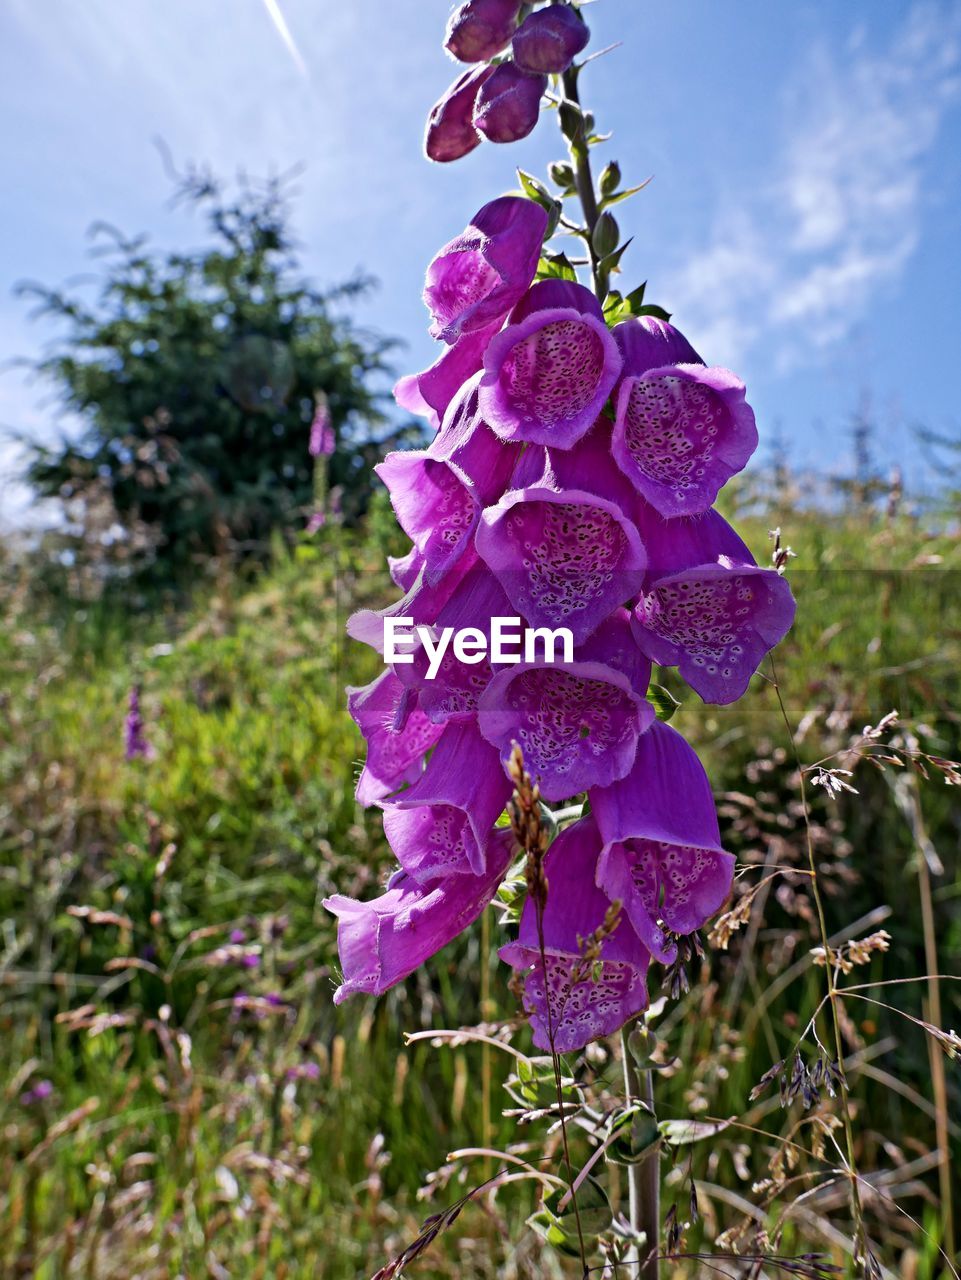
136	744
323	441
38	1093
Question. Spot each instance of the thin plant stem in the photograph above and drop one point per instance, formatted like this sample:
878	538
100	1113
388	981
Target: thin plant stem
485	1011
935	1055
833	993
643	1178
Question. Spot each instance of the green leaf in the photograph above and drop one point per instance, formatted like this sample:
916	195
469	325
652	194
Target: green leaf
680	1133
663	702
560	1227
636	1133
536	191
612	262
555	266
636	297
623	195
653	310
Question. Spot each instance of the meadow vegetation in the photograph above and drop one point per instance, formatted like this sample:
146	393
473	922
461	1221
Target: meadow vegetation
179	1095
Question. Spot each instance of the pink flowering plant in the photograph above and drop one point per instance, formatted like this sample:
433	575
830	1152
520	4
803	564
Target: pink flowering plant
580	445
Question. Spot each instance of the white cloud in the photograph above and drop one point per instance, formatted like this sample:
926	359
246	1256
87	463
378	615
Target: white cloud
840	211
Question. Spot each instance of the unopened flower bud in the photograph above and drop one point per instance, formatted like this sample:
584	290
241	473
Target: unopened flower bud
606	235
561	174
450	125
479	29
508	103
610	178
549	40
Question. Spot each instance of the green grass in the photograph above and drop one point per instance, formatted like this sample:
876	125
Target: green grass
183	1137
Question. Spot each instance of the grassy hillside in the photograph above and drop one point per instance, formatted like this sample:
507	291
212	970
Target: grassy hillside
178	1095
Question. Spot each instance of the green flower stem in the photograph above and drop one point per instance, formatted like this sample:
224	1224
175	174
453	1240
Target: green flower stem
643	1178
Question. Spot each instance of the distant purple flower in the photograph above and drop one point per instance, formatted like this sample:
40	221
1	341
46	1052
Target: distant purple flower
509	103
479	275
316	522
250	960
323	441
548	374
681	429
443	824
304	1071
451	133
662	855
577	1000
706	607
136	745
479	29
383	941
39	1093
550	39
237	936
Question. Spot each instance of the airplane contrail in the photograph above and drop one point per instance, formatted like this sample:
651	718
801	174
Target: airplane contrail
277	18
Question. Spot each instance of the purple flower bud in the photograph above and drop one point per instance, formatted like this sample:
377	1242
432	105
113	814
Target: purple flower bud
509	103
237	936
549	40
250	960
479	29
450	125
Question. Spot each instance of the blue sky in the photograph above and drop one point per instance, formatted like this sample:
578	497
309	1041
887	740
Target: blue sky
802	224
